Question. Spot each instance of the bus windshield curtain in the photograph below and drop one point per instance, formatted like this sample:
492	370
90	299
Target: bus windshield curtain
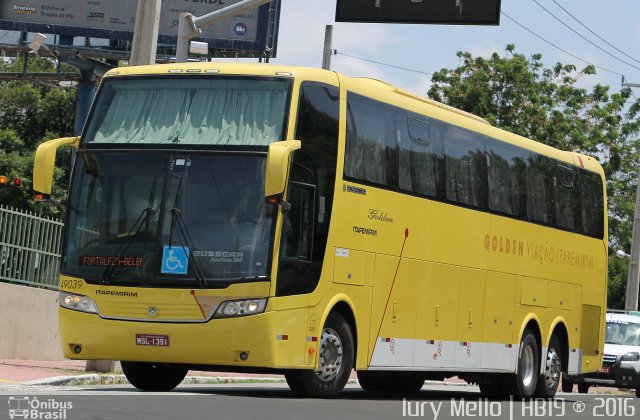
210	116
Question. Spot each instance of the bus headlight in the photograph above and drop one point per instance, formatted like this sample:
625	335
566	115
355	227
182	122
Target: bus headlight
243	307
77	303
630	357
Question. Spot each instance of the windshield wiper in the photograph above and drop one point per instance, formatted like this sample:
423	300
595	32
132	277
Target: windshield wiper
184	237
133	232
143	219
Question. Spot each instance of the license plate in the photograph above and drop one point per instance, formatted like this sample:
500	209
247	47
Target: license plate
152	340
604	369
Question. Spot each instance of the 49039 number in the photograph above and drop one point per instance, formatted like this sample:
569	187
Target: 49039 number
70	284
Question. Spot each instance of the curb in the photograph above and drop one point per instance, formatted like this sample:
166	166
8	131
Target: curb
96	379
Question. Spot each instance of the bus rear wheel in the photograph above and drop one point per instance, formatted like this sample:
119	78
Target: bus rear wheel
526	378
583	388
549	380
391	382
153	376
335	362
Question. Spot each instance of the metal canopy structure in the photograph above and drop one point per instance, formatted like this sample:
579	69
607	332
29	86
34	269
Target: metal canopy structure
448	12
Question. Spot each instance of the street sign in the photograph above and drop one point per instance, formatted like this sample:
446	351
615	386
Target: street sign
114	19
451	12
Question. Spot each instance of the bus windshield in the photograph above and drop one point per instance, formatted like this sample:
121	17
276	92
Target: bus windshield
623	333
192	110
168	218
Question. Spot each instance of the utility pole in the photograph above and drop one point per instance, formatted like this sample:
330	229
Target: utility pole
631	301
326	55
145	33
190	26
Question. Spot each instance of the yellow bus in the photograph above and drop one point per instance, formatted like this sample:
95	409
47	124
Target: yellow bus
268	218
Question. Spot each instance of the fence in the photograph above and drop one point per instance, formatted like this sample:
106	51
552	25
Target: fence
29	248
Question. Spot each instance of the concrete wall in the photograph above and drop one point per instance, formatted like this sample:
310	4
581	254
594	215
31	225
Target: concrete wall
29	323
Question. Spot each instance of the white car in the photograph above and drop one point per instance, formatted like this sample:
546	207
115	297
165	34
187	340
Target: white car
621	359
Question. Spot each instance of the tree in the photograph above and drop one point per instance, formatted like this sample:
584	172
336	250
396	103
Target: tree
30	113
520	95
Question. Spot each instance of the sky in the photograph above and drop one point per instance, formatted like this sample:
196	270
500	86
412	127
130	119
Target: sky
428	48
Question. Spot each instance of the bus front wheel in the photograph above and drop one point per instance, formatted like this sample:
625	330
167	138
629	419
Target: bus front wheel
153	376
526	378
335	362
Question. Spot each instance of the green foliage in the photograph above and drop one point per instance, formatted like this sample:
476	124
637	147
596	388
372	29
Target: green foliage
30	113
521	95
618	275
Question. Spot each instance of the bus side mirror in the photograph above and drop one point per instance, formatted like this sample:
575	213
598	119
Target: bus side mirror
45	162
277	168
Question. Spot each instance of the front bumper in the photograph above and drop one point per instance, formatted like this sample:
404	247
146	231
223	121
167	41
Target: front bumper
217	342
621	375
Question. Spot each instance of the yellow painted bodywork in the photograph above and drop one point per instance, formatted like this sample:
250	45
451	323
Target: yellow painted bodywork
435	272
277	166
45	163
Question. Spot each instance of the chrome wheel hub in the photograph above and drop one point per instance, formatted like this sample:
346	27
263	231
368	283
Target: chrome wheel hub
552	369
330	355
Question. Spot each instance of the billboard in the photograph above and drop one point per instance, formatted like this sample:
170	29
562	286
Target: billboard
451	12
115	19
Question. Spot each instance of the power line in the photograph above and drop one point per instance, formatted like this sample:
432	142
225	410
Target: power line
595	34
557	47
382	64
583	37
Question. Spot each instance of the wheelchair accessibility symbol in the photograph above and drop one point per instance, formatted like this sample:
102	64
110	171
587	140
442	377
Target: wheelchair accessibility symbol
175	260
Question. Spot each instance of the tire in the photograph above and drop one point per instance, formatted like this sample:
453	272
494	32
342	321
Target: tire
567	386
583	388
153	376
371	381
526	378
336	360
391	382
638	392
548	382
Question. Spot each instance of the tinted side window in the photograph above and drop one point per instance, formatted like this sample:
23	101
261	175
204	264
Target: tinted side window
419	156
505	171
371	141
539	183
591	194
465	167
566	198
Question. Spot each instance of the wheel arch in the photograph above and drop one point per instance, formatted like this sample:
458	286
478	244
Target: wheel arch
559	329
532	323
345	307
